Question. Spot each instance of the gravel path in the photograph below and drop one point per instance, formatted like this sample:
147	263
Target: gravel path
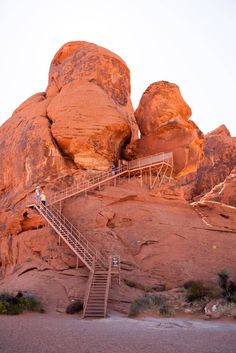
35	333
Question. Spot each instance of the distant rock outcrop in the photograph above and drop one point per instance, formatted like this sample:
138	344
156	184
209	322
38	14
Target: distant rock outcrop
162	117
217	164
224	192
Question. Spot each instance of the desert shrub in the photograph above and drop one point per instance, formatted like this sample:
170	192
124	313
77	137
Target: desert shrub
14	305
130	283
74	307
227	285
197	291
150	302
233	298
189	284
223	278
214	292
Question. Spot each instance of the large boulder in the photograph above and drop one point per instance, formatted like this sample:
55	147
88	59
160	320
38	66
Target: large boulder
88	126
162	117
90	110
160	104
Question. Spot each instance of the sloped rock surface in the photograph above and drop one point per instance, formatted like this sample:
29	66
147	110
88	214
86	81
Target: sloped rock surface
160	240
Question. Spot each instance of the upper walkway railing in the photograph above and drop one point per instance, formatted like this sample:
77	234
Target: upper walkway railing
140	163
163	157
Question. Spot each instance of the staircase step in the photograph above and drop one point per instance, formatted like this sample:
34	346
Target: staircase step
100	286
94	311
96	298
95	315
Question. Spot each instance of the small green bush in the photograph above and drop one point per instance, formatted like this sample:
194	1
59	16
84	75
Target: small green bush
15	305
154	302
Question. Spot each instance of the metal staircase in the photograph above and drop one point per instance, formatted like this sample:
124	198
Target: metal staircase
101	269
95	303
96	298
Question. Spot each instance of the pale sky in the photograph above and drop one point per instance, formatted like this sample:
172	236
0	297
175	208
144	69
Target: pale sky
188	42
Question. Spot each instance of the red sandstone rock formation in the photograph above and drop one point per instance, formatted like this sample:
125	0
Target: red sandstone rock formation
162	117
83	121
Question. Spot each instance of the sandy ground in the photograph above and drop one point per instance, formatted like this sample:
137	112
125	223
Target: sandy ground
43	333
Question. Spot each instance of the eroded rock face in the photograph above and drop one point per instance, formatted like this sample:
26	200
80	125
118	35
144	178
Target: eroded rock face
162	117
217	164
